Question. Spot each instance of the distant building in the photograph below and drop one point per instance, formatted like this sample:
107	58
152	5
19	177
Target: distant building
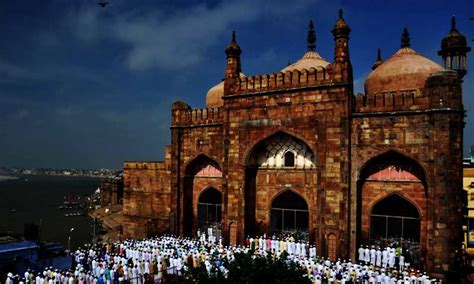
468	186
297	152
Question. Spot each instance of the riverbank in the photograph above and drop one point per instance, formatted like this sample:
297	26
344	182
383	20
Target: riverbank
4	178
37	200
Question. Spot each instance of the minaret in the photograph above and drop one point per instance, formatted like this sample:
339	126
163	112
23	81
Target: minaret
233	68
341	33
342	67
453	50
378	61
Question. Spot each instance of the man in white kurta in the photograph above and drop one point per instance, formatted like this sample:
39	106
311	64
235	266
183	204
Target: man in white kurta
361	254
367	255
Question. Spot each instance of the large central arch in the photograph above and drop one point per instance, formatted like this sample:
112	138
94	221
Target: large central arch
278	162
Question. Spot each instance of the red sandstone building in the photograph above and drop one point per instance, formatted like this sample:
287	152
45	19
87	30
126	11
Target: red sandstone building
296	151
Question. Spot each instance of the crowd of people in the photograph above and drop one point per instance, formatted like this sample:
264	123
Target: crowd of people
154	260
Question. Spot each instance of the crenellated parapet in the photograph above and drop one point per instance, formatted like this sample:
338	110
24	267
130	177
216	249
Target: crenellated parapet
284	80
194	117
400	100
132	165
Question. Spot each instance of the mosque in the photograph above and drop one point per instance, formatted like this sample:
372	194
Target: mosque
297	152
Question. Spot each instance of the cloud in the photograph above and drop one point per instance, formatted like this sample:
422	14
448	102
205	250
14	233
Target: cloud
112	116
172	40
9	71
67	111
18	115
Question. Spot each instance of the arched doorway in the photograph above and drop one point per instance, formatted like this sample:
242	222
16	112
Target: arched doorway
394	218
289	216
210	212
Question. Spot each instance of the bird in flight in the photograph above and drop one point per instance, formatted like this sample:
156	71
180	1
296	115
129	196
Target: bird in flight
102	4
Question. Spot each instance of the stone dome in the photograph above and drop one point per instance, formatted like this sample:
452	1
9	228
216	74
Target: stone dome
214	95
311	59
406	69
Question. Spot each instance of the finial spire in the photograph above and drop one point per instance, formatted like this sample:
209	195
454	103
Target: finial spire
453	23
233	49
405	38
311	37
340	14
379	60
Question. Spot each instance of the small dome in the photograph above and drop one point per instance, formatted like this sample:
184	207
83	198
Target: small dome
406	69
311	59
214	95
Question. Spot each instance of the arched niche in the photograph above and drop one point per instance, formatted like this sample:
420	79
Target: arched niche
200	170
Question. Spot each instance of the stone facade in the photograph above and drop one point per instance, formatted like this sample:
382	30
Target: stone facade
359	150
111	191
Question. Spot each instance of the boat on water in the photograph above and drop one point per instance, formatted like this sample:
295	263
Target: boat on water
13	210
72	214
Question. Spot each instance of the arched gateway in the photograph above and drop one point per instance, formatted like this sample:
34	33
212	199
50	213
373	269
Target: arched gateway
201	197
391	203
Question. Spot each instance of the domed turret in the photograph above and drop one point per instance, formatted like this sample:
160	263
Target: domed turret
454	49
311	59
405	70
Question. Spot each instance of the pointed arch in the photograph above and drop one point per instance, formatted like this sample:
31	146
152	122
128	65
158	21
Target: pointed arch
400	195
197	163
392	158
286	192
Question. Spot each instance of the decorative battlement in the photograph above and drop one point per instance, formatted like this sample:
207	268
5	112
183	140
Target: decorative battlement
201	116
284	80
132	165
389	101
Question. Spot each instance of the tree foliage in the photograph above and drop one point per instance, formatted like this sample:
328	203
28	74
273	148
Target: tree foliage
251	268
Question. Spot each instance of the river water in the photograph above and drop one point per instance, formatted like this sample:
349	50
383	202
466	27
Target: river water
36	199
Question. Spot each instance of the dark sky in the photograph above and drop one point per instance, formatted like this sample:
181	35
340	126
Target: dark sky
87	87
